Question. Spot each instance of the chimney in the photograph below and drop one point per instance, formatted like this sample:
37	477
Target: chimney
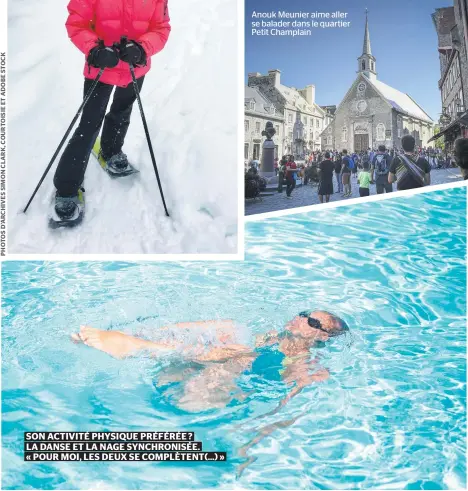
275	75
309	94
252	77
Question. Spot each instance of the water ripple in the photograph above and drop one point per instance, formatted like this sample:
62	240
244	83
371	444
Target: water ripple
391	416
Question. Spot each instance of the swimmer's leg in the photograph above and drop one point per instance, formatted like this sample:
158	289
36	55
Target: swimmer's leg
177	373
215	386
115	343
224	353
225	329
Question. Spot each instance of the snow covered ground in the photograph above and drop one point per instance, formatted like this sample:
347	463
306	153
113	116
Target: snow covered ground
190	101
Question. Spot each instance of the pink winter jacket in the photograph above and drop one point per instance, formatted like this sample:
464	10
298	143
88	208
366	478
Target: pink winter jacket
144	21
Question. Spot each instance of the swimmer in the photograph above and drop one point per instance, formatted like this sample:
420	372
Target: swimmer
208	371
282	356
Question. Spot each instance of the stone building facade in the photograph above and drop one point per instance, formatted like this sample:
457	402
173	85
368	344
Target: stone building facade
327	138
304	120
451	24
258	110
372	113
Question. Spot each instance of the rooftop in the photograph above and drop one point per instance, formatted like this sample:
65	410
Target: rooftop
296	101
400	101
263	106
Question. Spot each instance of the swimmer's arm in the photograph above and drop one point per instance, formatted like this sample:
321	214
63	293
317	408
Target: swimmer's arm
222	323
296	390
263	433
301	383
301	378
267	339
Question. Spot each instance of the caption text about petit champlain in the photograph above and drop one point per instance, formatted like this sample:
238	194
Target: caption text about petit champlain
153	446
284	23
3	153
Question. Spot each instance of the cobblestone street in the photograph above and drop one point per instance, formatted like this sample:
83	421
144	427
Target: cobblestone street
307	195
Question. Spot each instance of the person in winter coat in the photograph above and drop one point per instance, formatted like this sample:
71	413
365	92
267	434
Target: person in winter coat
112	34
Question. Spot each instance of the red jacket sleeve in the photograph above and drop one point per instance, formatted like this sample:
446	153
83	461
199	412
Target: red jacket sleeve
158	32
80	25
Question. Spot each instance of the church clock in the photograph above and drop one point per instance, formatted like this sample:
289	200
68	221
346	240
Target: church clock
361	87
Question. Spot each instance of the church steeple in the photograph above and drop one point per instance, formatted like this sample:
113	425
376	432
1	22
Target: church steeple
366	60
366	49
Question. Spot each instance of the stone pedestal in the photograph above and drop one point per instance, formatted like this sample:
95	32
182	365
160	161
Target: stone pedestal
267	167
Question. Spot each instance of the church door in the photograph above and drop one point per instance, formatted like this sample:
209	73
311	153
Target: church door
361	142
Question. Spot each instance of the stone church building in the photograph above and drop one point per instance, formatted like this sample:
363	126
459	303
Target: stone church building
373	113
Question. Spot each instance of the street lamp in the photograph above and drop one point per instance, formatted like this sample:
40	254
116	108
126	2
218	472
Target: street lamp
459	106
444	119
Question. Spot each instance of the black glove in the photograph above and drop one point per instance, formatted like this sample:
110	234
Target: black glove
132	53
103	56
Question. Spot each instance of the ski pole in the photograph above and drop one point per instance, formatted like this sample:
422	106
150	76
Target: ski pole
137	93
86	99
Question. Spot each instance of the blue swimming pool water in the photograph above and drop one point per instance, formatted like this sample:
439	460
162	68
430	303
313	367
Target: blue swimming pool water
392	414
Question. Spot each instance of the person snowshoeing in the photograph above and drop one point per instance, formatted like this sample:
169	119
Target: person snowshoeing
113	35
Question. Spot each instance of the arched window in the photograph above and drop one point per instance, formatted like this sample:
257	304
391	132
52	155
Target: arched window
380	132
329	140
372	65
363	65
344	134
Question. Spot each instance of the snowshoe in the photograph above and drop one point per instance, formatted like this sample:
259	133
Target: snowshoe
117	165
68	211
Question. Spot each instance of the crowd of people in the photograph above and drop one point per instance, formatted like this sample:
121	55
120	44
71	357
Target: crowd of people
335	172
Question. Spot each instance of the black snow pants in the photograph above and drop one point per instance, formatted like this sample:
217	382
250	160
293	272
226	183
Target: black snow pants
72	166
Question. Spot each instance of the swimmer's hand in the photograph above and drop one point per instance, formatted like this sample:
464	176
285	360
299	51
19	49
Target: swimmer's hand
262	433
268	339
